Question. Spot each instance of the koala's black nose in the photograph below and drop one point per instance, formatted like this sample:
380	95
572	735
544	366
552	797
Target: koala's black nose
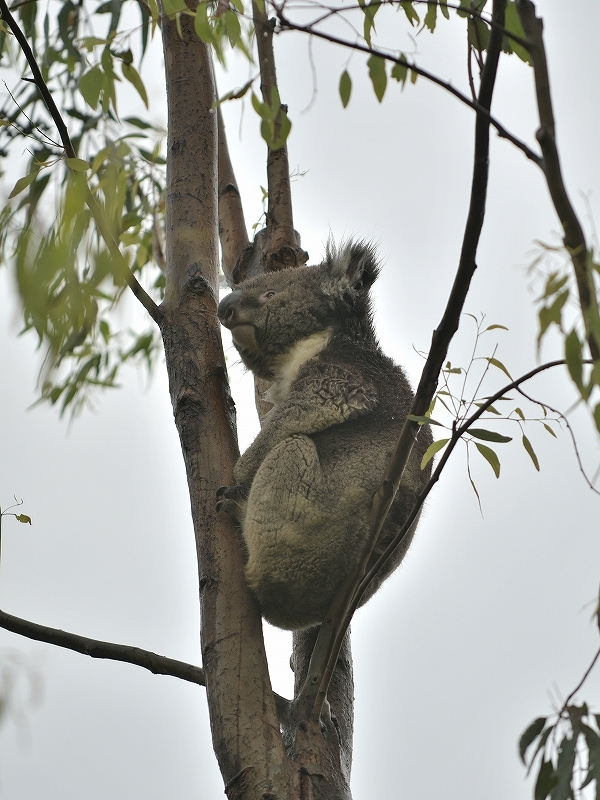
227	309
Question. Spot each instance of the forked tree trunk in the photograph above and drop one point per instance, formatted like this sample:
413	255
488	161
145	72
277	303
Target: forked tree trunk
245	721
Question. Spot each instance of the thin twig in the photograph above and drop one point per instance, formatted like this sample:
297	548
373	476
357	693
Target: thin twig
501	130
466	11
282	249
589	481
580	684
574	237
312	696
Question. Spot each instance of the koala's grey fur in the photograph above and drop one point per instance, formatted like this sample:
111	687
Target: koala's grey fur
339	404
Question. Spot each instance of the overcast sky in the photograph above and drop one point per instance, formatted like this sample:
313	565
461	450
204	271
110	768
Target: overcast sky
487	623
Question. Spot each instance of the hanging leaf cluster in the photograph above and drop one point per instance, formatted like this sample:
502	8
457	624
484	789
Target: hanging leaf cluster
384	63
69	284
563	753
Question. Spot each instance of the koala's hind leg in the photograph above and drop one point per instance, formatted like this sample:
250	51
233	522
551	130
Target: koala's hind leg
292	548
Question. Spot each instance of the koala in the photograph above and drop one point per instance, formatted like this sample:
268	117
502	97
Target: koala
305	485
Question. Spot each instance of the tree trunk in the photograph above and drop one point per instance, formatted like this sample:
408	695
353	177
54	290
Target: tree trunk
244	721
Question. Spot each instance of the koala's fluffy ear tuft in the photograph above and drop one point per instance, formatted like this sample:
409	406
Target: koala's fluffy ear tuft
353	264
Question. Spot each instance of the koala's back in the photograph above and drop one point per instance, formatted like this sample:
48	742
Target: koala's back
308	512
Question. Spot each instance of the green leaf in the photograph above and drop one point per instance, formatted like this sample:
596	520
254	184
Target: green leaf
378	75
173	7
432	450
345	87
540	746
400	70
431	17
423	420
232	26
90	86
489	409
105	330
77	164
490	456
597	417
23	183
476	493
529	735
23	518
479	33
545	782
201	23
410	12
564	770
285	126
131	74
520	414
574	360
554	284
138	123
495	363
262	109
552	314
489	436
549	429
512	23
496	327
369	24
528	446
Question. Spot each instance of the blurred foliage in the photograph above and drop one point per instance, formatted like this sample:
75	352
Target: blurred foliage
559	309
566	755
69	285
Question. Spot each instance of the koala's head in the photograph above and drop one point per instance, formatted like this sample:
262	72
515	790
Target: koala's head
268	314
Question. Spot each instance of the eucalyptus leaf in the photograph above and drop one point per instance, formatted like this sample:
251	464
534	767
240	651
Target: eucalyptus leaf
433	448
529	447
489	436
345	88
378	75
490	456
529	735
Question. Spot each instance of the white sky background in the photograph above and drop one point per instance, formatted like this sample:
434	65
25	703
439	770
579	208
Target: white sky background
461	648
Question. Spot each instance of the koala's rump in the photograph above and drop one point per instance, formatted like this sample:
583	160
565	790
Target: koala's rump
307	519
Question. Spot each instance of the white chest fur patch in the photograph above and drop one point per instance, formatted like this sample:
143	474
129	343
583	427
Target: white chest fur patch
288	365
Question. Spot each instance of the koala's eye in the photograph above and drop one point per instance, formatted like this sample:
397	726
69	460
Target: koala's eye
266	296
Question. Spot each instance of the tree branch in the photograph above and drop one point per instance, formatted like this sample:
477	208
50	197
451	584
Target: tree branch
457	434
244	718
232	225
500	129
567	424
159	665
97	212
574	237
282	247
471	12
338	618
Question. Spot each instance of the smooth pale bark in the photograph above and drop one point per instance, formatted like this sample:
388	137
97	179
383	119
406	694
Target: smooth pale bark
232	225
282	248
244	719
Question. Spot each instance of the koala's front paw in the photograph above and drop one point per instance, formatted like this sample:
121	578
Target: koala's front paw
230	498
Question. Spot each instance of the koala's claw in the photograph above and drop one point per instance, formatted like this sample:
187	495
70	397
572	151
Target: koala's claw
228	497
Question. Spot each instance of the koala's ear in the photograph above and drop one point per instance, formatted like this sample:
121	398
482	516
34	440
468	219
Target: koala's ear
354	265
